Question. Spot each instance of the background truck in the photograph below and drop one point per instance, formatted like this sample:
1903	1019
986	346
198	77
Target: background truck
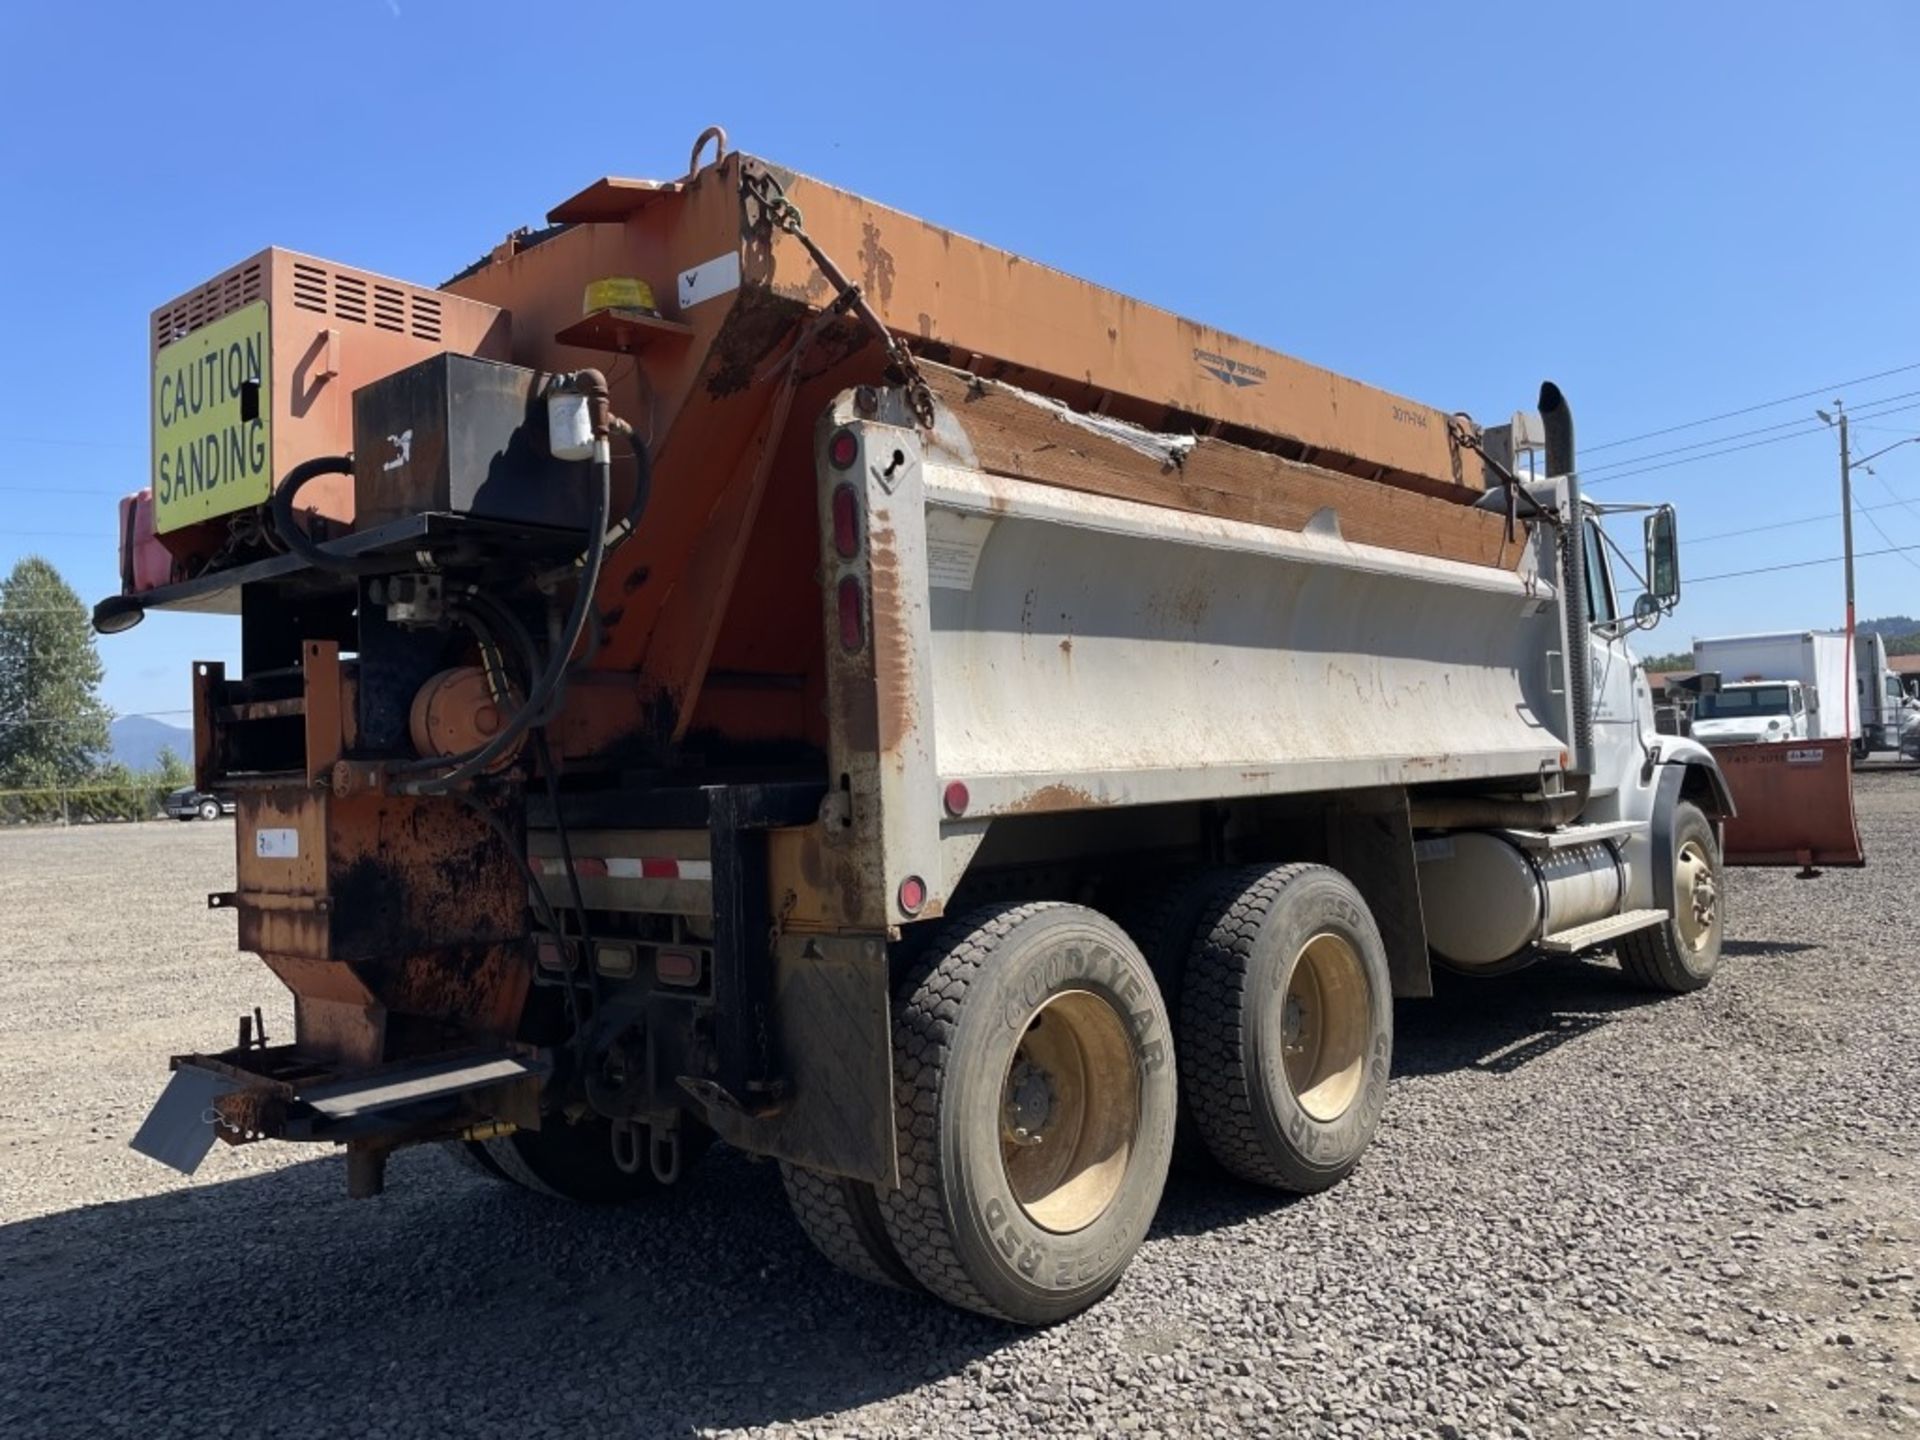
1796	685
912	715
1886	712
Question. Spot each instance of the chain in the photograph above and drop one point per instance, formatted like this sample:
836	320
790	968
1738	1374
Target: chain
780	212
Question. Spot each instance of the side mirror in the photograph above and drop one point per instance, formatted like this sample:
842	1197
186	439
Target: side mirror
1663	558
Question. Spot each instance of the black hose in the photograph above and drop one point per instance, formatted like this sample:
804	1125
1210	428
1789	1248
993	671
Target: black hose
537	899
288	529
542	691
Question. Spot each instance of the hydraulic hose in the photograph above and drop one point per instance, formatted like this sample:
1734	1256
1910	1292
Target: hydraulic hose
288	529
542	691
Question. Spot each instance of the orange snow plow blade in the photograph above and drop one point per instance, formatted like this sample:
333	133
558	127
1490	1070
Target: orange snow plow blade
1795	803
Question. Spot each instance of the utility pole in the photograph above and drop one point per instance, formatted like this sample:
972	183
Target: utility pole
1839	421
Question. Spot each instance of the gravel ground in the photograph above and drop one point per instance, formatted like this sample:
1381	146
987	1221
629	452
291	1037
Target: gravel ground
1586	1214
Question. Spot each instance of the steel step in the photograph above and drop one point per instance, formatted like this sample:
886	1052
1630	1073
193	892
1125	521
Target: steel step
1580	937
1560	839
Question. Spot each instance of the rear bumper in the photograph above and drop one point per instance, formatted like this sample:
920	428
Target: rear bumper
276	1093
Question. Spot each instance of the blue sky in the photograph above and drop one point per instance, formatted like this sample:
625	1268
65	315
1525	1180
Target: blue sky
1671	210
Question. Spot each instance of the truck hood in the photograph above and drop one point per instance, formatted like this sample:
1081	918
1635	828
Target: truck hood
1741	731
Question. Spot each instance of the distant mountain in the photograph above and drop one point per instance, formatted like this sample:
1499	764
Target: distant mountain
138	740
1891	626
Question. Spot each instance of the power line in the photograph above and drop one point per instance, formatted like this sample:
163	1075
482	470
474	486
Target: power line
59	490
71	724
1815	429
69	444
1899	550
1799	423
1800	564
1788	524
1750	409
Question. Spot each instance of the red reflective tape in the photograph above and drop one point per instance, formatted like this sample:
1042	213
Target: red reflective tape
591	865
659	869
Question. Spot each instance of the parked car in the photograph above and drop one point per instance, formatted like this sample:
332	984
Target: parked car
187	803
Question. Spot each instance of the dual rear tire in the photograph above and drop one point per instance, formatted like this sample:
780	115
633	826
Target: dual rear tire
1036	1095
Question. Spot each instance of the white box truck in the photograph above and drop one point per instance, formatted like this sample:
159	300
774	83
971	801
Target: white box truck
1887	713
1787	686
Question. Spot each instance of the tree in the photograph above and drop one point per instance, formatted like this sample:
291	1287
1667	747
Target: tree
53	725
170	770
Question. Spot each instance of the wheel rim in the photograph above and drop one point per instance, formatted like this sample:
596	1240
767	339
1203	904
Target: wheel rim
1322	1021
1696	896
1069	1111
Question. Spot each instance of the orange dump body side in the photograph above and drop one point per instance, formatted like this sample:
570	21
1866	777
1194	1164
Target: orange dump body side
711	606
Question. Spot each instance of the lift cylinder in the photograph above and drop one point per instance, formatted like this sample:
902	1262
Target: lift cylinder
1486	900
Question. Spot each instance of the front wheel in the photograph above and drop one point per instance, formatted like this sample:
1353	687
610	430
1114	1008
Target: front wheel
1035	1094
209	809
1681	953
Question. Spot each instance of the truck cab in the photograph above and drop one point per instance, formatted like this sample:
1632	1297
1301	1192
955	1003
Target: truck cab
1750	711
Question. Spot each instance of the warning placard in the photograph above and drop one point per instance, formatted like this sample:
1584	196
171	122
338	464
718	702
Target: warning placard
212	448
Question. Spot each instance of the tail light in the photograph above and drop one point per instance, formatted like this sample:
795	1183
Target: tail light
846	522
853	614
843	449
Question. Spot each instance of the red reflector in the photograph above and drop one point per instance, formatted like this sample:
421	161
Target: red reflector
659	869
913	894
846	522
843	449
677	967
956	798
590	867
853	618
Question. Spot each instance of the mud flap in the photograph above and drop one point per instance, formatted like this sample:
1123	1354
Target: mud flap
1795	802
180	1129
834	1037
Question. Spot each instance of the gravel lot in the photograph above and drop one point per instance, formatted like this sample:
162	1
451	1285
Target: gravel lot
1587	1213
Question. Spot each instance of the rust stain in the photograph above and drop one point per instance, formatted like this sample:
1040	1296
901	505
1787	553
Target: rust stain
1186	607
876	263
892	671
1055	797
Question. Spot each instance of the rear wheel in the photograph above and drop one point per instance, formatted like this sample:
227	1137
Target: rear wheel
472	1157
1286	1031
1681	953
842	1219
209	809
1165	924
1035	1093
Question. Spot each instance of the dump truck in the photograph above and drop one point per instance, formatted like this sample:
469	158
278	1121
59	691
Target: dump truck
743	663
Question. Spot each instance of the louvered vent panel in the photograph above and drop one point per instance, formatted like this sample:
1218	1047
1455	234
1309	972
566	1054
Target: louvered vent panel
309	288
206	305
426	317
389	308
350	298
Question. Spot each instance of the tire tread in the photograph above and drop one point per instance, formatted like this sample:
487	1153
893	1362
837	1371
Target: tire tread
842	1219
926	1017
1213	1005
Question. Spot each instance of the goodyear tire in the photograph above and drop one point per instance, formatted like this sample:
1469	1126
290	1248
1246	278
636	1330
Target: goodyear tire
1680	954
1165	924
842	1219
1035	1092
1286	1032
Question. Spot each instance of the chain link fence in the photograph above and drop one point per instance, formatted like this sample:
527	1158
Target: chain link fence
86	804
